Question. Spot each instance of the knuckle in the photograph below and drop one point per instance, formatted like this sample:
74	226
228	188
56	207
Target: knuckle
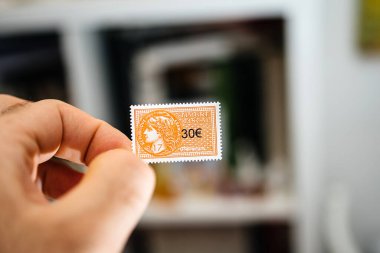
9	97
10	103
5	96
52	102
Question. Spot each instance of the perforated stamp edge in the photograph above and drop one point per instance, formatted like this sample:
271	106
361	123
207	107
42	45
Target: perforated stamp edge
180	159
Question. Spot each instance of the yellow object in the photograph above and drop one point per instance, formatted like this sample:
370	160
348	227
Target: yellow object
370	25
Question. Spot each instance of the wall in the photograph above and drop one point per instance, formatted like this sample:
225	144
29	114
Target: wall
352	120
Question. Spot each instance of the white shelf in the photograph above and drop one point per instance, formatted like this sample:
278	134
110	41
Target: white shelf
218	211
95	13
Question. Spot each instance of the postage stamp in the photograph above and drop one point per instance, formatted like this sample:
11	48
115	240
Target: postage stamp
176	132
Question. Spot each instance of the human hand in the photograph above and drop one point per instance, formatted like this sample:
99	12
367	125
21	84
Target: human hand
97	214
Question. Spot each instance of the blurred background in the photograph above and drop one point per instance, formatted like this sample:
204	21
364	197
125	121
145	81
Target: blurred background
298	82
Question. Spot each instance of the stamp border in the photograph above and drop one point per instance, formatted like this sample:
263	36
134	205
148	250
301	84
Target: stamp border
180	159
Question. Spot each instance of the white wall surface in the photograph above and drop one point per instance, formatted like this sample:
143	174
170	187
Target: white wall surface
352	120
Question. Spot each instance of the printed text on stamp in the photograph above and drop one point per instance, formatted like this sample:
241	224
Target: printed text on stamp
176	132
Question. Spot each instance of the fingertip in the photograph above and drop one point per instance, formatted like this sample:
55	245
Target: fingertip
133	162
123	158
125	175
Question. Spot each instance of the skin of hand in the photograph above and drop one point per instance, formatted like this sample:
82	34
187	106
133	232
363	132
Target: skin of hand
95	212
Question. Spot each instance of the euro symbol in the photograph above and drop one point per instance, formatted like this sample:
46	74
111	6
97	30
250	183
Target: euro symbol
198	132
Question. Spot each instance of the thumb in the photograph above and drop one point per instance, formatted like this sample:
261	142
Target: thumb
108	202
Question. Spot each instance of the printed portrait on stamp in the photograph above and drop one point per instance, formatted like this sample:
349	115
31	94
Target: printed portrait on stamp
176	132
159	133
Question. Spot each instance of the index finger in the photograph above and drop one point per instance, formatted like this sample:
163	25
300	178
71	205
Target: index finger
46	128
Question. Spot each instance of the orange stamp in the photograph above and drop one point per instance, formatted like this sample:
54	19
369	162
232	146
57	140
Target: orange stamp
176	132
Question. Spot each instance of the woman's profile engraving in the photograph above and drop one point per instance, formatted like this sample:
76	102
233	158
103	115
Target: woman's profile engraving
160	133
